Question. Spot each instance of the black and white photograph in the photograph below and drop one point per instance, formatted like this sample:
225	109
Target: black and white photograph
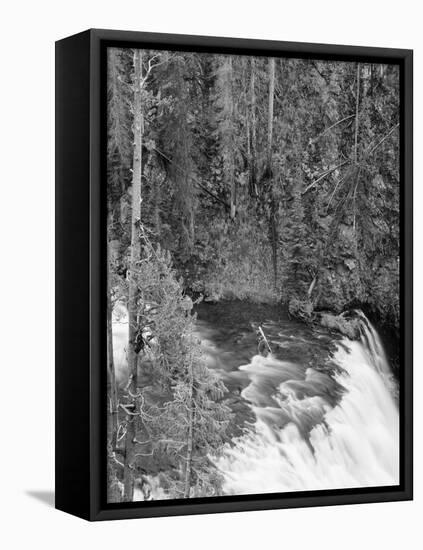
253	275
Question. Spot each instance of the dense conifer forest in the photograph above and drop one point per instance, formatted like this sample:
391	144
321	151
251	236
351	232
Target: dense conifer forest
271	181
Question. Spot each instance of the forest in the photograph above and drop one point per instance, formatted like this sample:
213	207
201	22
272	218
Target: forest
268	182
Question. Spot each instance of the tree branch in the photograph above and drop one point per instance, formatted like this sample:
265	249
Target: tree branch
334	191
313	183
383	139
150	67
331	127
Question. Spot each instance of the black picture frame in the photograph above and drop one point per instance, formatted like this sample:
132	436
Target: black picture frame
81	272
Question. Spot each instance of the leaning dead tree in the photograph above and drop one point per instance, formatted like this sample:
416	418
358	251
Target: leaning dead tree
264	339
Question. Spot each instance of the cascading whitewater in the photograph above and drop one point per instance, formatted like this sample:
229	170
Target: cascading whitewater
302	439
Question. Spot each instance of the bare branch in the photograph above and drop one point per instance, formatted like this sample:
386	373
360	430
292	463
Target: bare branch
127	411
354	198
313	183
124	430
112	455
383	139
143	454
331	127
334	191
142	442
150	67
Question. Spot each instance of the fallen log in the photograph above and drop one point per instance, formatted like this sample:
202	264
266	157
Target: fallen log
264	339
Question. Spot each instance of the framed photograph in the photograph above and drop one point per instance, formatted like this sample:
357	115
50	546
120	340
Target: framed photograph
234	274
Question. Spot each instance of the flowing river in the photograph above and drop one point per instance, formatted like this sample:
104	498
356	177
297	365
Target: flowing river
319	412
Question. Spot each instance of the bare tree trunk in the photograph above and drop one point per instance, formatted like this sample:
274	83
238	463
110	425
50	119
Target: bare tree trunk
270	112
111	374
157	201
129	463
273	205
228	135
357	107
357	104
188	465
231	159
122	200
252	133
274	237
112	389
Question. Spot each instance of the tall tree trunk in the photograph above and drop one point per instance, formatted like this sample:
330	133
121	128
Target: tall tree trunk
190	435
273	202
112	389
111	374
122	199
132	279
228	133
357	105
274	238
231	153
270	113
157	203
182	164
356	159
252	133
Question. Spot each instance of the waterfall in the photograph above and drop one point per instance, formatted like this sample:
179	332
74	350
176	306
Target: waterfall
304	438
120	329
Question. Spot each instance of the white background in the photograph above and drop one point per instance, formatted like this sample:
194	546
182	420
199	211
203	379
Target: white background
28	31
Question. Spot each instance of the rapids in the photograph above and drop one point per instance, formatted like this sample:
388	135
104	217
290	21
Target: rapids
314	427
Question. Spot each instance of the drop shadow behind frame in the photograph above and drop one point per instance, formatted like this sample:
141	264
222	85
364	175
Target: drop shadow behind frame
81	143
